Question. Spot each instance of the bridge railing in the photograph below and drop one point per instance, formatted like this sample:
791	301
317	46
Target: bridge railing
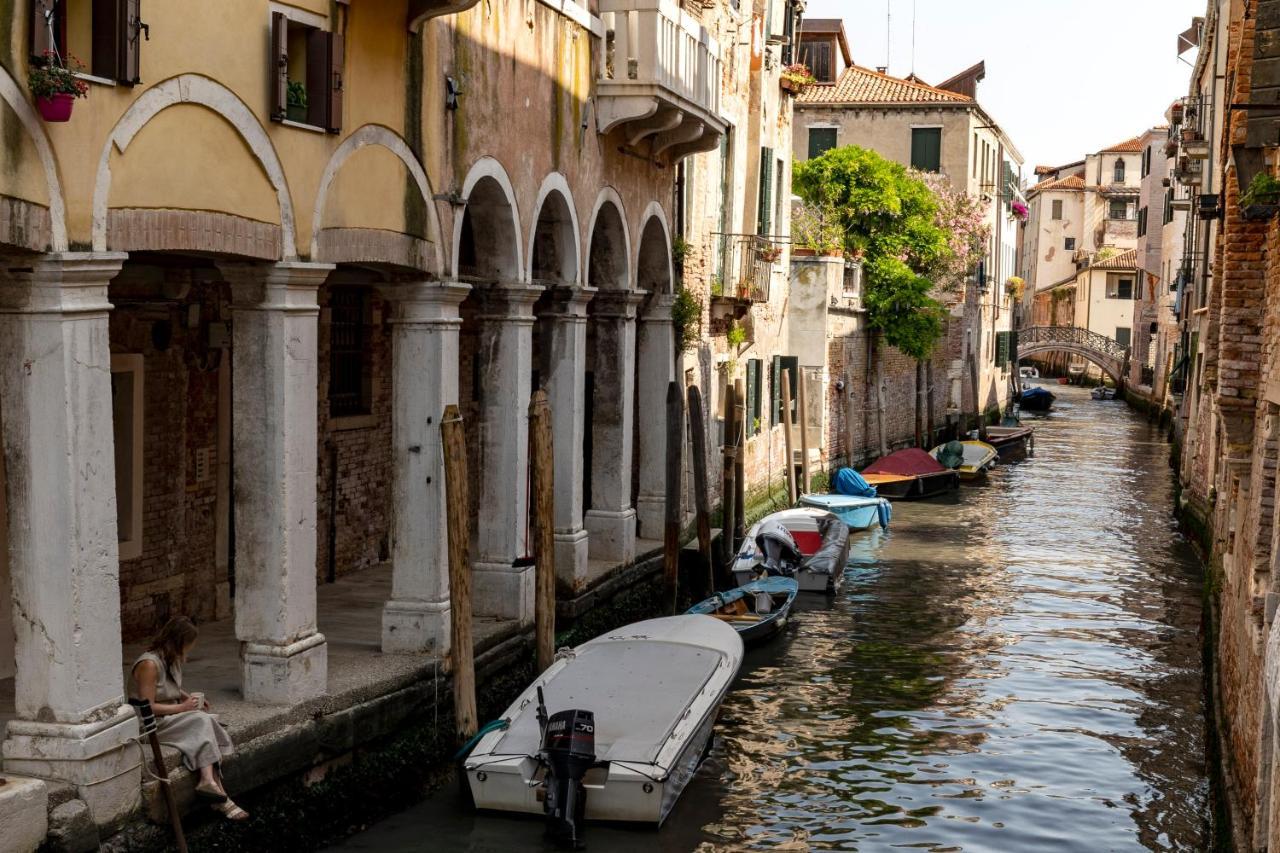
1072	335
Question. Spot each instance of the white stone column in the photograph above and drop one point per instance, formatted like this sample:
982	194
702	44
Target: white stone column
565	361
611	521
424	347
506	363
655	368
274	387
55	386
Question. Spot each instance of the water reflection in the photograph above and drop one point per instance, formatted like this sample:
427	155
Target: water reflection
1013	669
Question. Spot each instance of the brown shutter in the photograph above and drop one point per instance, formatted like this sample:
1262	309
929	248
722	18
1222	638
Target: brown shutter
279	71
337	56
40	42
131	42
108	38
317	78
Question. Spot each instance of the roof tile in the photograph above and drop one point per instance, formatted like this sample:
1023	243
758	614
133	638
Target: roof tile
858	85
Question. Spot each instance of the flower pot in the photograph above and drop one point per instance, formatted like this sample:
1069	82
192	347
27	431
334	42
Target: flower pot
296	113
789	85
56	107
1260	211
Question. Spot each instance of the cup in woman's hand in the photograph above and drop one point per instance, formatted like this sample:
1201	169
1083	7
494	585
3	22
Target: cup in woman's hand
200	702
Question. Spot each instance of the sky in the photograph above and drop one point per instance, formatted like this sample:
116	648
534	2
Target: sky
1064	77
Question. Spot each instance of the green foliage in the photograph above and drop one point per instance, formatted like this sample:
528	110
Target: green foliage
888	218
1263	189
296	94
53	77
686	315
679	251
817	227
736	336
717	285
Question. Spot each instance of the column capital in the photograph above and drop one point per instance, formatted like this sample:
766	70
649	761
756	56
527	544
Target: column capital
58	283
569	303
507	302
286	286
657	308
617	304
425	302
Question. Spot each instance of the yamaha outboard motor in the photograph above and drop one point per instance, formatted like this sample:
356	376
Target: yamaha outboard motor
569	750
779	554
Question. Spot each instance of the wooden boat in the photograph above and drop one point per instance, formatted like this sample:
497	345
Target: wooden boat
857	513
910	474
1036	399
636	705
1010	441
1102	392
757	610
806	543
978	458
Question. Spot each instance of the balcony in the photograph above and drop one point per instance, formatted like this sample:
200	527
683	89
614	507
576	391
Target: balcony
745	270
421	11
661	78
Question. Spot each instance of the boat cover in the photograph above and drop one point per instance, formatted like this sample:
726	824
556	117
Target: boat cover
912	462
951	454
832	503
831	556
1037	393
849	482
781	554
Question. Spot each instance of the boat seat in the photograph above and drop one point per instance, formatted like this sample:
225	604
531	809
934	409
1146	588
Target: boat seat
807	541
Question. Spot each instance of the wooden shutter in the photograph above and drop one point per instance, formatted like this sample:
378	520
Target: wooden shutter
753	394
1002	348
279	70
131	43
108	31
821	69
337	56
764	210
926	148
775	385
821	140
318	78
40	41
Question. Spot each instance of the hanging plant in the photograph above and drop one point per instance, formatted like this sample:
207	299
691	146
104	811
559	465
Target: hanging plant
769	254
736	336
1020	211
1015	287
55	86
686	316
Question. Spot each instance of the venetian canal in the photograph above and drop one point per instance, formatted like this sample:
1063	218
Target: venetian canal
1015	669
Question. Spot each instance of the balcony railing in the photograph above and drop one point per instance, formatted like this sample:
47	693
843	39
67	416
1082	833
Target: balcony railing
746	264
660	77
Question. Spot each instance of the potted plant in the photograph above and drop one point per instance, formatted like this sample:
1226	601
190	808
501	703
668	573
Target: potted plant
1020	211
1262	199
795	78
55	86
736	336
769	254
1014	287
296	102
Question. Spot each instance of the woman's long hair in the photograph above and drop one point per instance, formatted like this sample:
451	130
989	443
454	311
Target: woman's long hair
173	639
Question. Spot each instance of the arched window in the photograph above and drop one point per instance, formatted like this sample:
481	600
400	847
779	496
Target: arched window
1119	173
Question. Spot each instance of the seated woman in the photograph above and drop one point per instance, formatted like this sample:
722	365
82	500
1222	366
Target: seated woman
183	721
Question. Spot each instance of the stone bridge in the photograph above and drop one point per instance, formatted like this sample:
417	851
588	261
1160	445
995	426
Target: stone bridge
1107	353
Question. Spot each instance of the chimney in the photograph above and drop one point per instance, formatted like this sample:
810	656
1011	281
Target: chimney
883	69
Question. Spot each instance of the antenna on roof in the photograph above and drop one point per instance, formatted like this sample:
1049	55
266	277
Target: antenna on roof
913	37
888	31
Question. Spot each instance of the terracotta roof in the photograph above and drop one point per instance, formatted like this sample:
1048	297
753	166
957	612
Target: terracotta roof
822	25
858	85
1123	261
1129	146
1069	183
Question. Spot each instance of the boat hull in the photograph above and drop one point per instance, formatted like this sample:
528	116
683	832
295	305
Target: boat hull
914	488
807	525
857	514
782	592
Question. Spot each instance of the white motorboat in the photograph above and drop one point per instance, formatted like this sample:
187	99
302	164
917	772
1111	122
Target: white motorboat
807	543
628	719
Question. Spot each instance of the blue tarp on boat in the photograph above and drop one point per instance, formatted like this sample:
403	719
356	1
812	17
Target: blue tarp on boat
849	482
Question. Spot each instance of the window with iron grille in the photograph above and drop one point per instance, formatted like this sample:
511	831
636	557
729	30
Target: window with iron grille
348	352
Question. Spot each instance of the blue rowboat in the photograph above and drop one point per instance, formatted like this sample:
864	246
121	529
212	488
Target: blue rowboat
859	513
756	610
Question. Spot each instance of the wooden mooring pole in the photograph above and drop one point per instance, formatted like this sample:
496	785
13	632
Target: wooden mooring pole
458	513
786	438
802	409
728	490
675	466
739	464
542	464
701	503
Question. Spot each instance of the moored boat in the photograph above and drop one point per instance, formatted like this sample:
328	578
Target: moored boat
806	543
854	501
1010	441
1102	392
971	459
1036	399
626	722
910	474
756	610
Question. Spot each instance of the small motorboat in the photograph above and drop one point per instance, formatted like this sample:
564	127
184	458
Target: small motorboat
1011	441
1036	399
970	459
1028	372
909	474
613	730
806	543
854	501
757	610
1102	392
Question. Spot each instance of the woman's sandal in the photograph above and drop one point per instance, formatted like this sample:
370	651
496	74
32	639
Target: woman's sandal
231	811
209	793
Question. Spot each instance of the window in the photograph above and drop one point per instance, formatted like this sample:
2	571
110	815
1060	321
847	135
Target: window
1118	209
1118	172
1069	244
104	34
755	368
1057	208
975	155
1142	222
1120	288
350	370
1168	206
1123	335
1002	349
781	363
127	428
926	148
821	140
306	85
817	56
764	207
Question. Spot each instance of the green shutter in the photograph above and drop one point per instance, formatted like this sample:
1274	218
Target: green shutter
1002	348
753	395
821	140
764	211
926	149
775	388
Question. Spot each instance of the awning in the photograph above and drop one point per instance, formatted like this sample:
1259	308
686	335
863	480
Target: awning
1190	37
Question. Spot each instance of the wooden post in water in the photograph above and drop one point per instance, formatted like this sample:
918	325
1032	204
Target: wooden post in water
458	515
928	410
675	466
920	439
542	505
805	482
729	462
698	437
739	463
786	437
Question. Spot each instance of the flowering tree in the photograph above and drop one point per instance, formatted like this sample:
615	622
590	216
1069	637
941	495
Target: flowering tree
964	220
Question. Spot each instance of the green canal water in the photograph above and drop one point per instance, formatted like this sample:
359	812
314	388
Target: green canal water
1015	668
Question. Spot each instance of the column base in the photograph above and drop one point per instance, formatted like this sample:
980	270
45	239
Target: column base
651	516
613	534
504	591
286	675
96	758
415	627
571	558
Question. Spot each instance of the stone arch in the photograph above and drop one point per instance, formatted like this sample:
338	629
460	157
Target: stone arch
491	205
654	271
606	267
1114	371
376	134
202	91
558	231
12	95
